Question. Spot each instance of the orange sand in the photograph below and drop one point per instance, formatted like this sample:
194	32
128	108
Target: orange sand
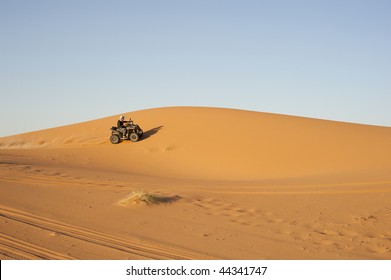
229	184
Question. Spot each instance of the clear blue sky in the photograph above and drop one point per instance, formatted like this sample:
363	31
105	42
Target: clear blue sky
63	62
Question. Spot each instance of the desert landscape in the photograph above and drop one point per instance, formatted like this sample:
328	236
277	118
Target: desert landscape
202	183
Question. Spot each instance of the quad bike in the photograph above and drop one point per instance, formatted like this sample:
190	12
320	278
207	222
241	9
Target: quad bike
133	133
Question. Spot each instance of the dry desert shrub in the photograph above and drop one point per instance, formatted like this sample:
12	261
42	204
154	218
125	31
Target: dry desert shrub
140	197
144	198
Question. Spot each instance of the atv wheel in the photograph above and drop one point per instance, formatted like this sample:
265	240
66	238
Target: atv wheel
114	138
133	137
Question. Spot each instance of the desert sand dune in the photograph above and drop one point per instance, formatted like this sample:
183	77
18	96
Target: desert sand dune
217	183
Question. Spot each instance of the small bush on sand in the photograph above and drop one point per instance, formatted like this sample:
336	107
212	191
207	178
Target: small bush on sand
140	197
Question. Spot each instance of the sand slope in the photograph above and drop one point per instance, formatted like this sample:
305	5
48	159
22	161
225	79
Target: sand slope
228	184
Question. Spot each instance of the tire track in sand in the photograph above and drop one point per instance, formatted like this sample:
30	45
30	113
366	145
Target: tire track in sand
27	250
44	176
17	248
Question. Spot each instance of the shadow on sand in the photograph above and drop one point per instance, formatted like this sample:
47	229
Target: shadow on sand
151	132
166	199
